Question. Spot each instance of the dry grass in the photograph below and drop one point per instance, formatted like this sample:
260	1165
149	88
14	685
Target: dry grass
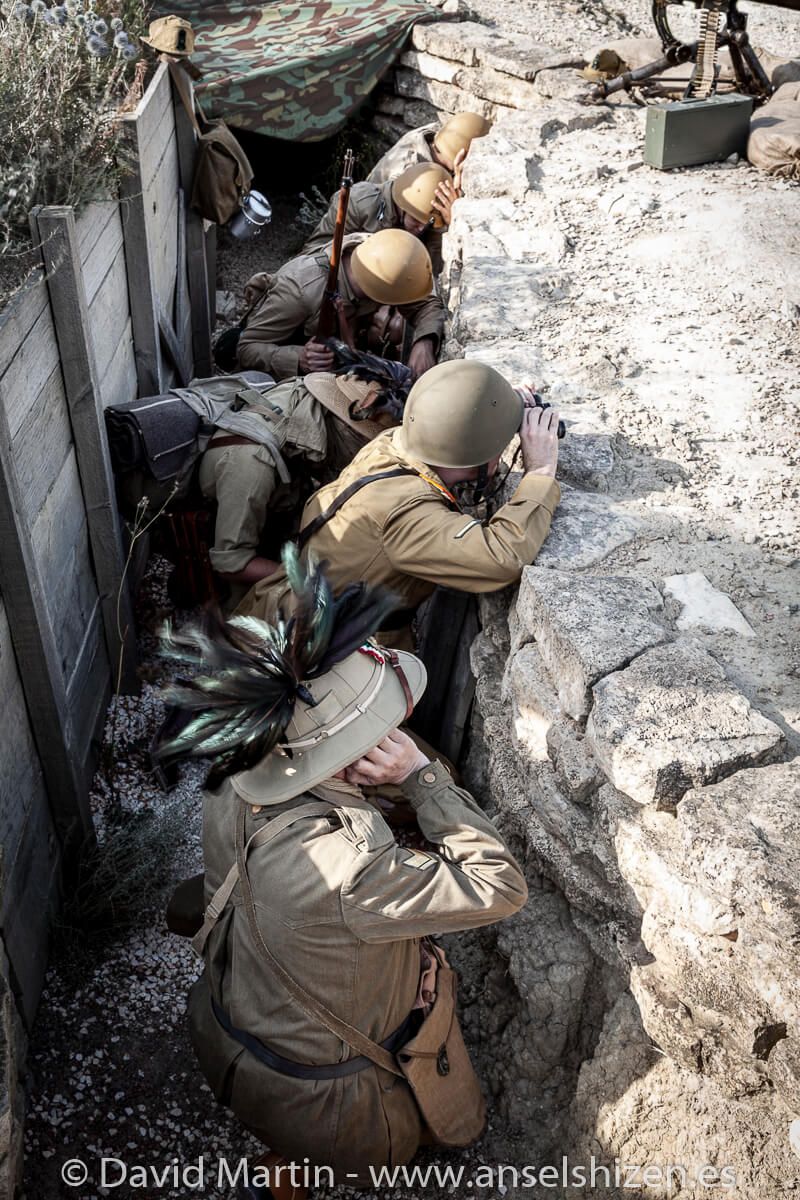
65	71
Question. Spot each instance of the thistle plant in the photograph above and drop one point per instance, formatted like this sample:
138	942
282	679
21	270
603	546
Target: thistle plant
65	71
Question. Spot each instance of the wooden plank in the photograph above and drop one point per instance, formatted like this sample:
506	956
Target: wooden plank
35	648
151	111
200	314
163	241
119	383
159	152
173	347
102	254
19	316
21	780
109	315
89	692
60	543
42	445
30	887
71	316
136	129
28	371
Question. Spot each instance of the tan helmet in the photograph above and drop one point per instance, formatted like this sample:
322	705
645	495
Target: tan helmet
171	35
459	414
392	267
414	191
471	124
448	144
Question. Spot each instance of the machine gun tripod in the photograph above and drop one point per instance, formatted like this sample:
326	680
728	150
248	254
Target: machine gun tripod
722	25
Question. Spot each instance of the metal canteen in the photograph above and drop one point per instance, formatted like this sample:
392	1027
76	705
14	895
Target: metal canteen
256	212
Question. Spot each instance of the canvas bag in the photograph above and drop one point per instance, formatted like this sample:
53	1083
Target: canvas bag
223	174
435	1063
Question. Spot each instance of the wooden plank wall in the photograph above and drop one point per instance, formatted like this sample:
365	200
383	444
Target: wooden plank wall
56	669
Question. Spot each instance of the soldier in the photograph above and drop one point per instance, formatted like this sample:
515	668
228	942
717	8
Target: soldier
447	145
315	434
418	200
325	921
391	517
389	267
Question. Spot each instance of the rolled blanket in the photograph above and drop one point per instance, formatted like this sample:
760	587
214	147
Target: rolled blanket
153	433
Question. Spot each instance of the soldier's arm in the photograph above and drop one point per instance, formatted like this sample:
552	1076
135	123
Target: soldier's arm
430	542
392	892
426	318
276	319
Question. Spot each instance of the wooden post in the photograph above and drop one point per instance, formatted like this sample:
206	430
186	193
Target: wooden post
201	297
59	245
39	661
141	281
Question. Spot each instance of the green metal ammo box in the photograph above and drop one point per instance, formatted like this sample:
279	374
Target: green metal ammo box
687	132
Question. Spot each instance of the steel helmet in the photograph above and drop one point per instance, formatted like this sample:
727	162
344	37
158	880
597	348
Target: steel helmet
414	191
459	414
392	267
469	123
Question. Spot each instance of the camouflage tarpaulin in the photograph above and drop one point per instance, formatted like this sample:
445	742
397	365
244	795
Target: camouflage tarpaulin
294	71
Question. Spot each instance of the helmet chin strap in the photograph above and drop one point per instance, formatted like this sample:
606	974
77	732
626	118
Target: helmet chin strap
481	482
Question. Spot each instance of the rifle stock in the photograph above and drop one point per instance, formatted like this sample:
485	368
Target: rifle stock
327	325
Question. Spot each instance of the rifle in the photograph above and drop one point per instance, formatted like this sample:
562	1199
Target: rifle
328	316
721	24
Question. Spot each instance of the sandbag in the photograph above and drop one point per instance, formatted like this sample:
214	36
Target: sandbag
774	142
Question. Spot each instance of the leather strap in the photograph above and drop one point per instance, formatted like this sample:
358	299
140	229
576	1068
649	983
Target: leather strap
231	439
261	836
313	1008
322	518
394	661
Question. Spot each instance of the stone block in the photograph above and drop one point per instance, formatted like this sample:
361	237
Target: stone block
577	770
587	627
533	701
497	298
430	67
420	112
585	457
517	360
475	45
703	606
495	167
389	127
498	87
585	529
672	721
390	105
561	83
444	96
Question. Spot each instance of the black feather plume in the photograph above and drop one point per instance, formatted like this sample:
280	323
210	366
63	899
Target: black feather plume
395	378
251	674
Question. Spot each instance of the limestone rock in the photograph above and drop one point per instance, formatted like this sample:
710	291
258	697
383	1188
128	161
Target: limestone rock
576	768
443	96
585	457
585	529
548	122
671	721
587	627
429	66
497	167
475	45
498	87
497	298
562	83
704	606
533	700
516	359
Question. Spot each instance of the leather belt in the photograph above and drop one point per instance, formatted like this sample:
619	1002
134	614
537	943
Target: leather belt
286	1066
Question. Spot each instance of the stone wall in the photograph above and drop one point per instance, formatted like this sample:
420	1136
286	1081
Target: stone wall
655	1001
453	66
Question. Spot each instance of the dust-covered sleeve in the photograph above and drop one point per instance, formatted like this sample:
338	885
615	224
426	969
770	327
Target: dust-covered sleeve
277	319
428	541
471	879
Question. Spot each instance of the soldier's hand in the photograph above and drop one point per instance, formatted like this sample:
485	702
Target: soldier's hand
444	198
391	761
422	357
314	357
538	435
527	394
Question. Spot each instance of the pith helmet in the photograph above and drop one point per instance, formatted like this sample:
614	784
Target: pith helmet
414	191
338	392
171	35
459	414
392	267
357	703
449	143
471	124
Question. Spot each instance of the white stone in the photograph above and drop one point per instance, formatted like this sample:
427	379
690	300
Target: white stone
794	1136
704	606
585	529
429	66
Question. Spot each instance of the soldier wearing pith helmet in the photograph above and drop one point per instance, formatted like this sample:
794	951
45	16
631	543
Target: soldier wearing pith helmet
392	516
388	267
414	201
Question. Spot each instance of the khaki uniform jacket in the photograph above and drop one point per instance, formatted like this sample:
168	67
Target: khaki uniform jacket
243	480
370	209
287	316
342	907
413	147
402	533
